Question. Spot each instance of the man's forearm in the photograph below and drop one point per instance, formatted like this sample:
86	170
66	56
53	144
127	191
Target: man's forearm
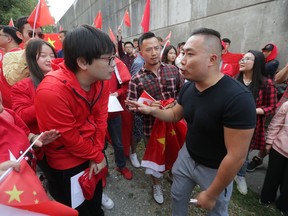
282	75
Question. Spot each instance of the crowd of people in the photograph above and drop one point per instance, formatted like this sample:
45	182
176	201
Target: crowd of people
229	102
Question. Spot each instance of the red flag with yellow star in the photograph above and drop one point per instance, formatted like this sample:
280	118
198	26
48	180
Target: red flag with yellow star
24	190
165	141
53	39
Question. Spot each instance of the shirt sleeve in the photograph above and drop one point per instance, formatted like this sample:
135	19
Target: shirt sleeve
240	112
277	123
269	97
15	67
132	89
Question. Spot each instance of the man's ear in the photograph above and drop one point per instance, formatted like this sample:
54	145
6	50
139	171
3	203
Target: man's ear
19	35
213	59
82	63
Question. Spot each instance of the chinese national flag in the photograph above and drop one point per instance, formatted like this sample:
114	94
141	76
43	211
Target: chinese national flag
24	190
168	36
146	17
53	39
41	15
164	144
127	19
146	98
98	20
112	36
11	23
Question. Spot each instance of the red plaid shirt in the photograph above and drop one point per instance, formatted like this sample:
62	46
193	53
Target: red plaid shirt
266	100
166	85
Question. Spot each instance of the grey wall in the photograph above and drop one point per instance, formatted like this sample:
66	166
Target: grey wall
250	24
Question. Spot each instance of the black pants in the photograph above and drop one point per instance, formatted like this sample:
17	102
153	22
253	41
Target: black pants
276	176
60	189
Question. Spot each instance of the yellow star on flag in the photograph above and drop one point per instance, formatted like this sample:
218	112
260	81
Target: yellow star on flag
14	194
51	42
36	201
162	141
173	132
34	193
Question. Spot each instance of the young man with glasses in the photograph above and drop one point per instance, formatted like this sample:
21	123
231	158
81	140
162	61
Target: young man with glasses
162	82
10	43
14	64
74	99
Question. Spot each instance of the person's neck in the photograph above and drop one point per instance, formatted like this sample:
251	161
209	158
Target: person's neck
84	80
210	81
153	68
11	47
247	75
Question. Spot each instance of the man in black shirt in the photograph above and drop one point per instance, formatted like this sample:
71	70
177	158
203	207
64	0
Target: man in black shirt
220	115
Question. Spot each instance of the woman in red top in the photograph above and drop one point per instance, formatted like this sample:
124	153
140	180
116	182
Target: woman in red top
253	76
39	54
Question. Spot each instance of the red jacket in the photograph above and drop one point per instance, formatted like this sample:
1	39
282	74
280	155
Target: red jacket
61	104
22	96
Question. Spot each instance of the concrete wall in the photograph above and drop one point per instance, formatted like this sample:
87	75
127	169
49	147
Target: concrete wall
250	24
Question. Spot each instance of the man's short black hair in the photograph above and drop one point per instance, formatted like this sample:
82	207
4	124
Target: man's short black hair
226	40
129	42
207	31
10	30
143	37
63	31
20	23
85	42
135	39
180	44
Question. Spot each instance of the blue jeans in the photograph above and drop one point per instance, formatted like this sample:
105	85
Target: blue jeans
186	175
242	171
115	131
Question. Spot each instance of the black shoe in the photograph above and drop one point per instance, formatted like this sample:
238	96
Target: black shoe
254	164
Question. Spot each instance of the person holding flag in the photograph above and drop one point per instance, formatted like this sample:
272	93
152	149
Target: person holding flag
73	98
161	81
221	117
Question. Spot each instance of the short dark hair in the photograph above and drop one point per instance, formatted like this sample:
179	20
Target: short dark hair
32	51
85	42
21	22
212	34
10	30
135	39
63	31
159	38
180	44
226	40
129	42
145	36
165	54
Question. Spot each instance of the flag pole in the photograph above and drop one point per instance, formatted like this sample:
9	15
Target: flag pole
20	158
35	18
164	48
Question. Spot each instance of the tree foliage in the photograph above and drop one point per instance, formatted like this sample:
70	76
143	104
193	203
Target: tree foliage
15	9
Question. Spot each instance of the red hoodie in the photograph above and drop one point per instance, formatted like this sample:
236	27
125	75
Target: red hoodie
62	104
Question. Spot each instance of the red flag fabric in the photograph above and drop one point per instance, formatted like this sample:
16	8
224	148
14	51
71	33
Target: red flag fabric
112	36
164	144
168	36
60	28
41	15
146	98
11	23
98	20
24	190
127	19
146	17
53	39
233	60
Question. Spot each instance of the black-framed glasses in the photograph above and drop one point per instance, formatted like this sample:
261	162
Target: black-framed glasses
39	34
244	60
4	35
110	59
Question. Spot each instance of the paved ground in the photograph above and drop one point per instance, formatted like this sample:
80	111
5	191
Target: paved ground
135	197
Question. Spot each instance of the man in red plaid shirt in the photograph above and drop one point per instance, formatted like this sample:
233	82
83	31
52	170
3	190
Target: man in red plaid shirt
162	82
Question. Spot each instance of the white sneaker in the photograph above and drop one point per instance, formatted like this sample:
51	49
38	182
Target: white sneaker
107	203
241	184
134	160
158	194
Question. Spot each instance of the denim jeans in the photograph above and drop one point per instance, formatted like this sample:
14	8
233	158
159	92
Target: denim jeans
242	171
115	131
